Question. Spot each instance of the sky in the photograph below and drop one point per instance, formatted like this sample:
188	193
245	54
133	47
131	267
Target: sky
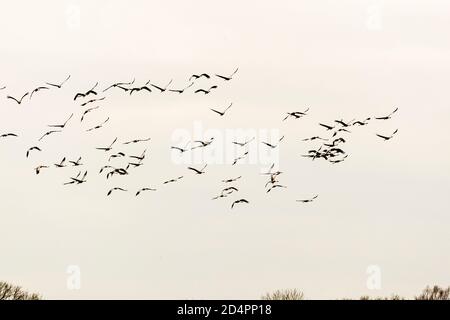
385	208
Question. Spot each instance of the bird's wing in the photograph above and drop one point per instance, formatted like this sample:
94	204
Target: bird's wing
218	112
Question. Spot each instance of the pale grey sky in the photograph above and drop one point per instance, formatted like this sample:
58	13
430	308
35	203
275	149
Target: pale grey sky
386	205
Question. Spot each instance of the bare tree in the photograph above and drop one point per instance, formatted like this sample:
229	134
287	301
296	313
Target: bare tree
288	294
12	292
434	293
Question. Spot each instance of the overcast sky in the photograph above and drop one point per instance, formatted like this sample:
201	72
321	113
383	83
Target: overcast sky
386	205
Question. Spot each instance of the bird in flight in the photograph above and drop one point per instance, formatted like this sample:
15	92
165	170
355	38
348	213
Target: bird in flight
173	180
109	148
6	135
39	168
308	200
115	189
315	138
32	149
338	160
3	88
77	179
198	76
236	160
61	126
159	88
231	180
335	142
343	123
326	126
85	94
222	113
144	189
243	144
229	190
49	133
61	164
202	171
141	157
239	201
98	126
275	186
389	116
273	146
182	150
92	100
202	144
76	163
137	141
138	89
37	90
387	138
227	78
58	85
296	115
19	101
119	84
117	155
205	91
362	123
180	91
87	111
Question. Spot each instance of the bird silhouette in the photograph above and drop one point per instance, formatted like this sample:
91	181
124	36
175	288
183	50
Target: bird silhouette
273	146
198	76
77	179
6	135
61	164
92	100
32	149
173	180
326	126
387	138
239	201
39	169
137	141
362	123
116	189
243	144
296	114
201	171
87	111
49	133
98	126
231	180
76	163
61	126
228	78
87	93
19	101
144	189
206	91
180	91
160	88
37	90
108	148
119	84
308	200
275	186
117	155
389	116
315	138
222	113
59	86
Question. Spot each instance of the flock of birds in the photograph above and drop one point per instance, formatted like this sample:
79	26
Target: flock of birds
331	148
